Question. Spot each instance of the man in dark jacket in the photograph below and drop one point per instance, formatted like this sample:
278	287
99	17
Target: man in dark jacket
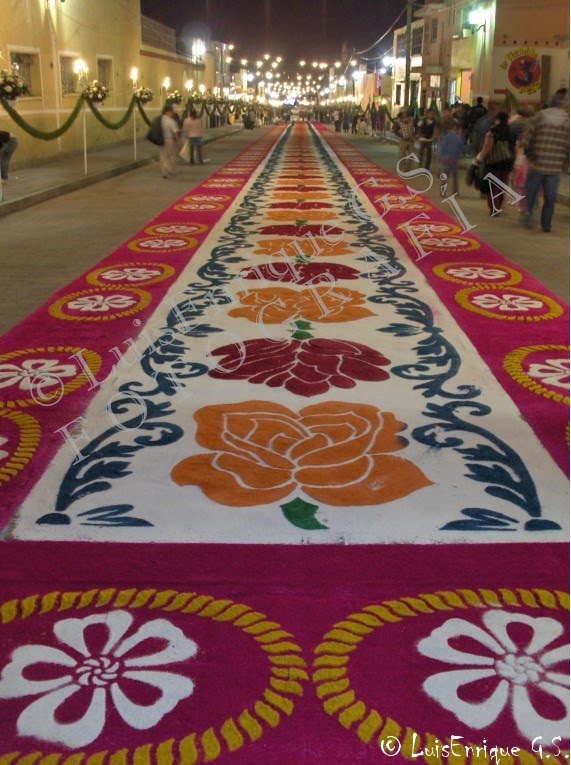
8	145
477	111
426	134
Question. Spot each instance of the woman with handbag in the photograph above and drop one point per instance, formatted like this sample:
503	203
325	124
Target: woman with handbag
497	156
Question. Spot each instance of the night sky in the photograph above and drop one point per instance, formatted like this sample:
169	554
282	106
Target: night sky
311	29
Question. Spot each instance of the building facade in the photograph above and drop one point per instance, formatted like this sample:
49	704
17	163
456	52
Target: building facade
485	48
47	41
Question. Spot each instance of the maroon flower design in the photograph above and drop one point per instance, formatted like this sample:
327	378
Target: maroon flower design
304	367
301	273
291	229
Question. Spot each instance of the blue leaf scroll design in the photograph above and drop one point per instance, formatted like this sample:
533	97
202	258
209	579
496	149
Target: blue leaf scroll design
106	459
489	460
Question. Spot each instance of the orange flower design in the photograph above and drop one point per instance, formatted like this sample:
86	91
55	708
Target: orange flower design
326	303
287	215
337	453
307	196
273	246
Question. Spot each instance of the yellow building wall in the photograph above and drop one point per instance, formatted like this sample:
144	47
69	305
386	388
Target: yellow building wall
85	29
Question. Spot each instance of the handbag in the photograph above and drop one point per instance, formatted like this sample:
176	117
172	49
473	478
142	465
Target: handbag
499	153
184	153
155	133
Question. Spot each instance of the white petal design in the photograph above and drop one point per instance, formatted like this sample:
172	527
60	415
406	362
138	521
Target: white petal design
173	689
558	678
545	630
38	720
71	631
436	645
444	686
179	647
555	656
13	684
532	724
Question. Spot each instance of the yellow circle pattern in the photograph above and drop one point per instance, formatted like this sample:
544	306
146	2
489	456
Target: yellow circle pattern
145	298
463	296
512	276
93	277
513	364
287	673
332	656
92	359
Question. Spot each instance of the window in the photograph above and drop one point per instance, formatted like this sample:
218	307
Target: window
27	65
416	42
401	46
105	72
68	78
434	30
398	95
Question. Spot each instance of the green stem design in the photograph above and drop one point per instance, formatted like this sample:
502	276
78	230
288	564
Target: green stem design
302	514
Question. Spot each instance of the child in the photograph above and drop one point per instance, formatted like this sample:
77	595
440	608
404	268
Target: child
451	149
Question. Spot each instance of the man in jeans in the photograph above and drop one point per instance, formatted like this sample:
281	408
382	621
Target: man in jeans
546	145
8	145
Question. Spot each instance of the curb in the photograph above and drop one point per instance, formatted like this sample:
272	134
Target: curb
21	203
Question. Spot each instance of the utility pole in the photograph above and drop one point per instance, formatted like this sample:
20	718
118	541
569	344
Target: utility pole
408	53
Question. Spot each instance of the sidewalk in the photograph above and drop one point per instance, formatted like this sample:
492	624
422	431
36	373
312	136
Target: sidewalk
562	193
31	185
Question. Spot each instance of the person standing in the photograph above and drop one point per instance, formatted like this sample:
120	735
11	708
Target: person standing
193	130
345	122
169	150
336	121
476	112
498	156
8	145
354	124
405	131
546	146
451	149
427	135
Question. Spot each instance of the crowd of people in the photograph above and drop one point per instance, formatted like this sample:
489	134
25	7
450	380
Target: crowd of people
524	150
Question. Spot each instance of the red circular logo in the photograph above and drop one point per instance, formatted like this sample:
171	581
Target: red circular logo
525	72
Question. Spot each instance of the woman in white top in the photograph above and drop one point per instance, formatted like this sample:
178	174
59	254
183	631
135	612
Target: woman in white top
169	150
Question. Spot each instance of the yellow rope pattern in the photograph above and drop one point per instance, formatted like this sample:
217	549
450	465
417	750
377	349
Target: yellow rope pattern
513	366
30	437
332	655
287	675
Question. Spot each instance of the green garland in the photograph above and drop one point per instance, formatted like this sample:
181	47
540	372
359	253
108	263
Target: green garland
221	106
113	125
44	136
143	113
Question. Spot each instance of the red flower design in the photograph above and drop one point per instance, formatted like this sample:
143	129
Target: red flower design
307	368
300	273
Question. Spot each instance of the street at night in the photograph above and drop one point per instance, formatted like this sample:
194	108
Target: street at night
284	382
